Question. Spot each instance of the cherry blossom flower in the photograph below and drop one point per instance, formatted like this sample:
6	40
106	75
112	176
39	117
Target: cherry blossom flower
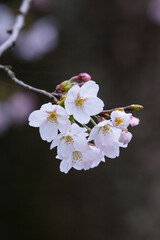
92	158
120	119
82	102
73	139
50	118
81	160
79	146
106	137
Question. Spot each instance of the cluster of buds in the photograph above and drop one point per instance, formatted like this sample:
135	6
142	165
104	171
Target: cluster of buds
64	125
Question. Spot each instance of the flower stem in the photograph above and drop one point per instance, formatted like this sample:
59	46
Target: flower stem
94	123
88	129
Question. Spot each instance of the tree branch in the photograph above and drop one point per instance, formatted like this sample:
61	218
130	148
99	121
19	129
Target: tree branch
12	76
18	25
127	109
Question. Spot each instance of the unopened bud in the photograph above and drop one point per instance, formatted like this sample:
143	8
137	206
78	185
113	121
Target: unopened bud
85	77
125	137
134	121
136	107
63	87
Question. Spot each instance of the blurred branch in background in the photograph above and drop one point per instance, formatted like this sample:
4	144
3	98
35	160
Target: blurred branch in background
17	27
15	31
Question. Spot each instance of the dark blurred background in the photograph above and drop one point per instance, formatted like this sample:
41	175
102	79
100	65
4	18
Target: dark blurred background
118	44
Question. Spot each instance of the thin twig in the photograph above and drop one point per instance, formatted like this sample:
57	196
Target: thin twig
12	76
127	109
18	25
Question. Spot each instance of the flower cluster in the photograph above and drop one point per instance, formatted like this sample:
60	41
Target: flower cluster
64	125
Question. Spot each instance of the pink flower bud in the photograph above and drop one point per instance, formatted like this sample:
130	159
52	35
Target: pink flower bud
85	77
125	137
134	121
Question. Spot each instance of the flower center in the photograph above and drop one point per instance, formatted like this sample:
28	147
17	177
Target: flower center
77	157
69	140
106	129
80	101
119	120
52	117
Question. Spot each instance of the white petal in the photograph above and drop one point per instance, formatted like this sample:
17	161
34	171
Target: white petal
48	131
65	166
115	134
71	98
80	115
36	118
100	140
65	149
70	106
76	130
55	142
48	107
103	123
111	150
78	165
61	111
63	123
89	89
93	106
80	144
94	157
93	133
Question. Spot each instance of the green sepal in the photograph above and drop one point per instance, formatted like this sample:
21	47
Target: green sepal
67	86
71	118
61	103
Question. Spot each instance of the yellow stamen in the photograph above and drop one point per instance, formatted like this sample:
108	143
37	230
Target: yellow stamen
69	140
80	101
52	117
106	129
119	120
77	157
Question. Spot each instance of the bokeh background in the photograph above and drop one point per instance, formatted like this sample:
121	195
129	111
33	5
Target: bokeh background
118	44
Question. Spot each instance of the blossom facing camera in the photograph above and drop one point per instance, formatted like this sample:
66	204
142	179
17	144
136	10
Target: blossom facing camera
50	118
92	158
81	160
73	139
106	138
82	102
120	119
